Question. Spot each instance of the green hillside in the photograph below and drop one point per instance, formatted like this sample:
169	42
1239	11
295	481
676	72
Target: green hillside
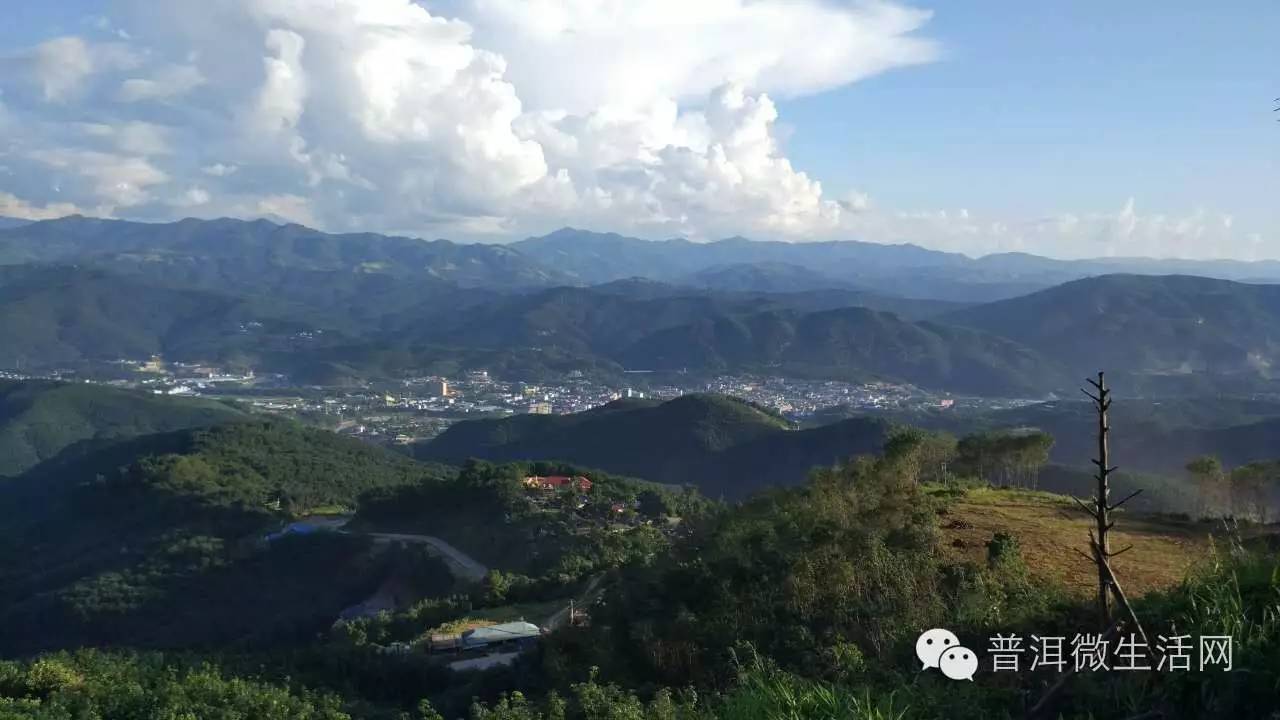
850	344
156	540
720	445
60	314
714	332
801	602
1164	331
39	419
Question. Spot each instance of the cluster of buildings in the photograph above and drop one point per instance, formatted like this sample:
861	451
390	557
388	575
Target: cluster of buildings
796	399
554	483
419	408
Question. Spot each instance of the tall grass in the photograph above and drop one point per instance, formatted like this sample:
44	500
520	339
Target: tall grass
1236	593
765	695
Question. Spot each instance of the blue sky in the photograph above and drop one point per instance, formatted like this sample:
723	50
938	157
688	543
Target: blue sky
1071	129
1054	106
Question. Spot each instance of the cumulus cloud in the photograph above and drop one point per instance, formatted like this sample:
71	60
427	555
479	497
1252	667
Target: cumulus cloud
640	52
471	118
476	116
661	171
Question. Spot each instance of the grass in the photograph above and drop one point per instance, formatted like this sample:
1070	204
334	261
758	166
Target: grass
1048	526
534	612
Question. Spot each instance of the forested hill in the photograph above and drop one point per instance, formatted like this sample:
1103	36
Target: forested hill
54	315
1186	330
720	445
39	420
732	333
153	541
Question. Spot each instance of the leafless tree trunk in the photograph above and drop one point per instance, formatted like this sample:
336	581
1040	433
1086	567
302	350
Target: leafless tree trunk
1100	506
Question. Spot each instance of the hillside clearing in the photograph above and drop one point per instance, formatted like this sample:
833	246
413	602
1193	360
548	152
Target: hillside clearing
1048	526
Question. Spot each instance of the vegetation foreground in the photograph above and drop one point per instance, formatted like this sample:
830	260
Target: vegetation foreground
803	602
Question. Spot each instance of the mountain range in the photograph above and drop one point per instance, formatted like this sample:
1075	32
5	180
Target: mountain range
907	270
327	309
193	249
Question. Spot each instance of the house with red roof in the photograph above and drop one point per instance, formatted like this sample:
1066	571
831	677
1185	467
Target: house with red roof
557	482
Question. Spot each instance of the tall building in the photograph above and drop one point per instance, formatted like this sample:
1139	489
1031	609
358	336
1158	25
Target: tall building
438	387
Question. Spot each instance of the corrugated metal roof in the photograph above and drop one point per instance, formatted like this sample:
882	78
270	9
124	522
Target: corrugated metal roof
501	633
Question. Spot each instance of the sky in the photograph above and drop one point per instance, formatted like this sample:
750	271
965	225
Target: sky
1076	129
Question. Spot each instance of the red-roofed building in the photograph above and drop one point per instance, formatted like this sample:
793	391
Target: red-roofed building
556	482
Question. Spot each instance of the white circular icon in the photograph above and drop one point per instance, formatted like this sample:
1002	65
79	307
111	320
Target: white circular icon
931	644
958	663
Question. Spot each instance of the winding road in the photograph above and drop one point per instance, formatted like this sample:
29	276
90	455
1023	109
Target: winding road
467	566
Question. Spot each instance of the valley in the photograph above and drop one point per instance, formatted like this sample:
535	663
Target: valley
639	360
396	478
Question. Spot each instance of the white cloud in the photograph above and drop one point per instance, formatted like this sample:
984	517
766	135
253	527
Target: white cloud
117	180
193	197
487	117
219	169
284	91
1125	232
660	171
382	114
61	66
15	207
132	138
291	208
856	202
168	82
579	55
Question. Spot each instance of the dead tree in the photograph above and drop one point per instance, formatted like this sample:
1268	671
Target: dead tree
1100	508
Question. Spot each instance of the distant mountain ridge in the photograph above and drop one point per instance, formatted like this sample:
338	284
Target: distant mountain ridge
903	269
572	257
1175	327
331	309
254	246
